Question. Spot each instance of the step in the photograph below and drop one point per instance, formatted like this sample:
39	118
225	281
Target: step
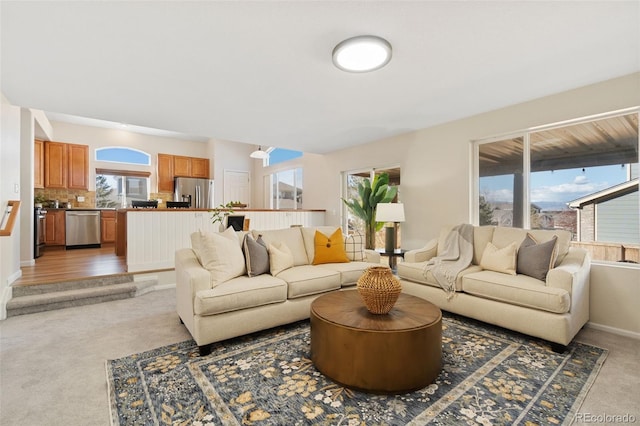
84	295
90	282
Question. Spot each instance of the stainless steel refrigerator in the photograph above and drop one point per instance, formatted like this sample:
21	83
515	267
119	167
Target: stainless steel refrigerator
197	192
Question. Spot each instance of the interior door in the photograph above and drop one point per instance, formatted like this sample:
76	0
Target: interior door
237	187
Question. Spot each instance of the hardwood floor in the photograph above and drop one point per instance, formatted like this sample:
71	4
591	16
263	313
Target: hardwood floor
57	264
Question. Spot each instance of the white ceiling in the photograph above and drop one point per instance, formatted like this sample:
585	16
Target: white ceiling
261	72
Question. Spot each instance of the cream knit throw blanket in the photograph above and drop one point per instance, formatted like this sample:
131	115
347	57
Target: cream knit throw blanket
456	255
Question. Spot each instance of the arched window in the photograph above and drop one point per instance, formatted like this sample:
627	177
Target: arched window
123	155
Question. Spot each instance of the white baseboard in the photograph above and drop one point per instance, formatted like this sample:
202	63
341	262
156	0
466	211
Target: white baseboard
614	330
5	296
13	277
30	262
163	286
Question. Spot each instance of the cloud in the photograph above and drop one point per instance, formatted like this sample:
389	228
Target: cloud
564	192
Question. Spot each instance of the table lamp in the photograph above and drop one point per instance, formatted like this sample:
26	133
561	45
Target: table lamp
390	213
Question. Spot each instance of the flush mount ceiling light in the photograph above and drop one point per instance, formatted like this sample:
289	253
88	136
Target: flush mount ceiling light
362	54
259	154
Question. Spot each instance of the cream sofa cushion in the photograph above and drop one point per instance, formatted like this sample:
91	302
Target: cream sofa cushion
503	236
220	254
481	236
280	258
291	237
240	293
519	290
349	272
500	259
308	279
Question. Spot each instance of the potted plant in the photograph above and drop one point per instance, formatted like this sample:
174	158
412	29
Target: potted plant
219	213
370	195
38	200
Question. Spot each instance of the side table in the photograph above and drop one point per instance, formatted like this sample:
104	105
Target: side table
392	255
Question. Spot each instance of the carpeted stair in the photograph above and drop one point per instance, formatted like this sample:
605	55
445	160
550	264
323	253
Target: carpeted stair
28	299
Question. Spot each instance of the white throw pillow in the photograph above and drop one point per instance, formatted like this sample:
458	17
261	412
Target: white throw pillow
354	246
500	260
280	258
221	255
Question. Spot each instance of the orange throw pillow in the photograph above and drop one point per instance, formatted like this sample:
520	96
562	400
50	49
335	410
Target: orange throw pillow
329	249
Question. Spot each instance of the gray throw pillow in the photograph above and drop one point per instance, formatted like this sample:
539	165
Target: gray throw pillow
535	259
256	255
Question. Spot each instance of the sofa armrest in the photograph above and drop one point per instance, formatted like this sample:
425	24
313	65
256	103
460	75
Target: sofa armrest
371	256
422	254
572	275
191	278
571	271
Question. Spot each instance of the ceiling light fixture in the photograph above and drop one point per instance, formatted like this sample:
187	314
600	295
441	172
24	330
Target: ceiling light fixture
259	154
362	54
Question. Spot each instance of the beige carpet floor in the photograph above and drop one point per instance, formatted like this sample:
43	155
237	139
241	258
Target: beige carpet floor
52	364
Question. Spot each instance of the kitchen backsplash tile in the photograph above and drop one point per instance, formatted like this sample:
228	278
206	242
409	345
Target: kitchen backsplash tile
68	195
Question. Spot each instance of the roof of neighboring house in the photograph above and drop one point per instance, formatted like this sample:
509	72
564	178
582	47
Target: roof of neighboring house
606	194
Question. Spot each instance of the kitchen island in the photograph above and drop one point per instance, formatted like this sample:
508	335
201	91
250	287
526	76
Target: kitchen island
149	238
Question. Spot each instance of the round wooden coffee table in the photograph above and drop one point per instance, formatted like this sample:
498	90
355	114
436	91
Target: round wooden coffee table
393	353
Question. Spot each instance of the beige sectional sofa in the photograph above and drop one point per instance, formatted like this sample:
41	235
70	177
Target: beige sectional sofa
216	303
553	309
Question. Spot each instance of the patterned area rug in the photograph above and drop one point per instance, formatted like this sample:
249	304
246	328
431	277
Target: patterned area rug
490	376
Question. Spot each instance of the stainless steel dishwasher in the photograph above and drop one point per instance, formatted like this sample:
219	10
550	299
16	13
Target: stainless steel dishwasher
83	228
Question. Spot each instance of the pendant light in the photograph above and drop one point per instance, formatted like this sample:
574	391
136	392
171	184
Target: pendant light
259	154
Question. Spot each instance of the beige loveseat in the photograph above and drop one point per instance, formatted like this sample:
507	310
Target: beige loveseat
215	305
553	309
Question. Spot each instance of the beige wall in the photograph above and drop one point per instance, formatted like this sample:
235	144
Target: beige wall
615	294
10	127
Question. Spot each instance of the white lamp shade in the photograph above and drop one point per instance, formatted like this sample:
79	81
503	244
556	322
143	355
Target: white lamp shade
390	212
259	153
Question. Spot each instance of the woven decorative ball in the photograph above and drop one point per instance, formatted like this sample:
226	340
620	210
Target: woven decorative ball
379	289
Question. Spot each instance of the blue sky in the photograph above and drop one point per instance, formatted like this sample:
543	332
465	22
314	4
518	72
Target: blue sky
559	186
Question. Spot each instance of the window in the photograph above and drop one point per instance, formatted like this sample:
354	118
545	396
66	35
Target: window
123	155
350	190
580	176
286	189
280	155
118	188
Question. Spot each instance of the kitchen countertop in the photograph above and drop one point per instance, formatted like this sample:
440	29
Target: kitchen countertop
80	208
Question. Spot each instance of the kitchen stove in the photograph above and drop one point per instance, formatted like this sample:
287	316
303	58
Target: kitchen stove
39	229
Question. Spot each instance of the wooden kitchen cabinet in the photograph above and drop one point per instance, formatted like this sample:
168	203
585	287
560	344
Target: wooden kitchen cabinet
38	164
165	173
107	226
78	161
55	230
181	166
56	165
200	168
66	165
170	166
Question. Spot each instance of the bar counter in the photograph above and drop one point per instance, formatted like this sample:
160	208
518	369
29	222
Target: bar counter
149	237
